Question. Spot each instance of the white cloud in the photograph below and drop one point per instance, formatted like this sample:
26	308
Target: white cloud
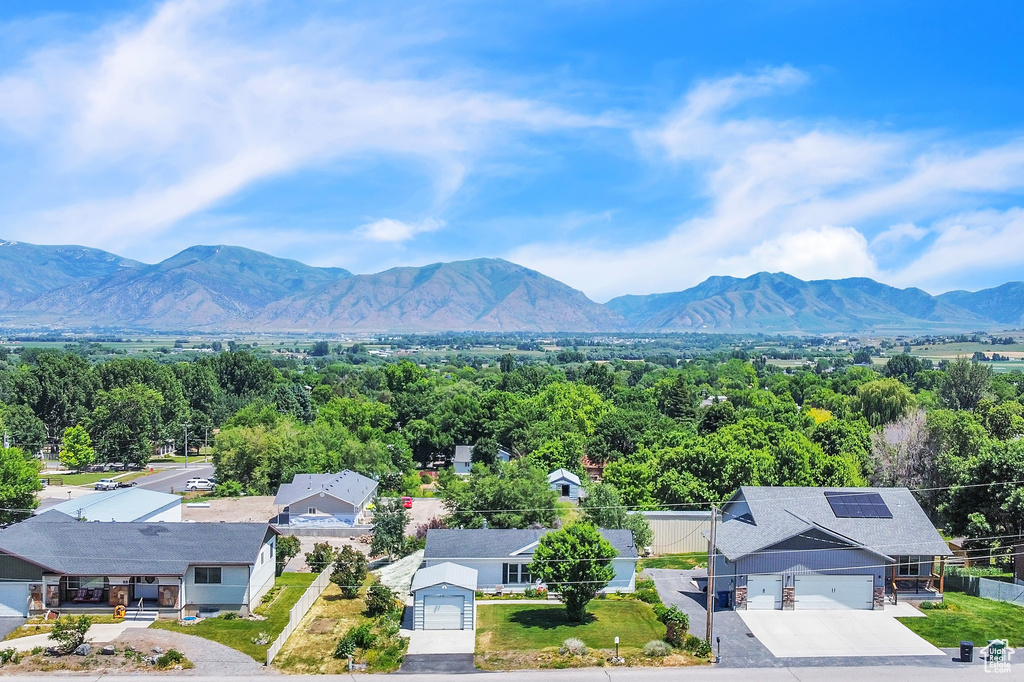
183	108
389	230
776	189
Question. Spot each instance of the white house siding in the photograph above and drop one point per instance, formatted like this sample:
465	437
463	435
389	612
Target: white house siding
231	594
263	572
469	607
489	573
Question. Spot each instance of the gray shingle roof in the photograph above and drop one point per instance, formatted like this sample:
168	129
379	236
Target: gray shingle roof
347	486
95	548
779	513
494	543
452	574
563	474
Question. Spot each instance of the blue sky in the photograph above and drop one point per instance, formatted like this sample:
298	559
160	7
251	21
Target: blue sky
620	147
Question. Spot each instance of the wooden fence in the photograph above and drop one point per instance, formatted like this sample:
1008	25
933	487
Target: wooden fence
298	611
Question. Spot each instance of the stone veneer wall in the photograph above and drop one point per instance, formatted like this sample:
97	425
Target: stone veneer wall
788	598
879	598
741	598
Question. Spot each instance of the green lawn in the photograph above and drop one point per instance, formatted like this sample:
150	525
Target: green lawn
238	633
970	619
679	561
524	627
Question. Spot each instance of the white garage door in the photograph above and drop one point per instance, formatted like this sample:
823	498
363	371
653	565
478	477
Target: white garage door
834	592
764	592
443	613
13	599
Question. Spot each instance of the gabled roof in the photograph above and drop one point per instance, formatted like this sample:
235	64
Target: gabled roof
464	453
83	548
757	518
563	475
446	573
124	504
500	543
347	486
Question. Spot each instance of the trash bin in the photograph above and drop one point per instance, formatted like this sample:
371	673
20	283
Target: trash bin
723	599
966	652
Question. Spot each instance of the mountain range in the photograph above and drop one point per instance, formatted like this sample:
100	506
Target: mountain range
230	288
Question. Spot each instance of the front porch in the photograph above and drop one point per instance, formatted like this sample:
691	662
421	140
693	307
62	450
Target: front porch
100	594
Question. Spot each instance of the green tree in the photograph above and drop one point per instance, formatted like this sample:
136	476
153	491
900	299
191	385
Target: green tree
76	451
23	428
513	495
126	422
19	483
68	632
287	547
903	367
320	558
965	384
59	388
389	521
575	562
350	569
507	363
883	401
603	507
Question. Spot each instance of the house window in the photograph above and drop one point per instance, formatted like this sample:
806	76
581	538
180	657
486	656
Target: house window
908	566
207	575
513	574
312	510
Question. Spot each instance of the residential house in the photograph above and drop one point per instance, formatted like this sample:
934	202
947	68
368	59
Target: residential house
444	597
501	556
123	504
463	460
565	483
52	561
325	499
825	548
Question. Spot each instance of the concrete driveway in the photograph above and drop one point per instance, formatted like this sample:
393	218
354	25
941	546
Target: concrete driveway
821	634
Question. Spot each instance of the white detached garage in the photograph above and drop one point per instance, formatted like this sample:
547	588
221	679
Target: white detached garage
444	597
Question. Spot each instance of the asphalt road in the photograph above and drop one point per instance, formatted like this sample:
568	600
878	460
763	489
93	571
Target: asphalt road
908	673
173	480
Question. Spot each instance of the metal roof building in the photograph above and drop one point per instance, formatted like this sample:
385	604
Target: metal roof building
124	504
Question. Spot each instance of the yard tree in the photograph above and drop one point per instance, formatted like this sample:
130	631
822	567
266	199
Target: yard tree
59	388
389	521
22	427
287	547
350	568
512	495
76	451
965	385
321	557
19	483
603	507
575	562
126	422
883	401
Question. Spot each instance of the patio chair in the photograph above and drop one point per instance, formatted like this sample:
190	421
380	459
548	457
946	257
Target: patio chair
80	595
97	597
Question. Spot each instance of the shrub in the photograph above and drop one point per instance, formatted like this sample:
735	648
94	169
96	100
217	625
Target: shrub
425	478
320	558
228	489
657	649
345	648
349	571
261	638
362	635
388	627
172	658
436	523
691	643
69	632
974	571
702	649
9	655
935	606
380	601
573	647
536	593
676	624
230	615
648	596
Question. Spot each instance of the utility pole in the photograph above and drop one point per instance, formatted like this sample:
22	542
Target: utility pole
186	425
711	574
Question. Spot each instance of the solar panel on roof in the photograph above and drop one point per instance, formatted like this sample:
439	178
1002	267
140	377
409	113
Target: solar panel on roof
852	505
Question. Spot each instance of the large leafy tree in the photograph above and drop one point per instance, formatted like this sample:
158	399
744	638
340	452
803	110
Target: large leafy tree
126	422
575	562
966	383
76	451
513	495
389	521
19	483
22	427
883	401
603	507
59	388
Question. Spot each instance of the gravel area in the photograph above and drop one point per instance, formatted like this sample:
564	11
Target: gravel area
256	508
424	509
210	658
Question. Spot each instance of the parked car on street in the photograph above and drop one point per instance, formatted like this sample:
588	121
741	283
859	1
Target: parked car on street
106	484
407	502
194	484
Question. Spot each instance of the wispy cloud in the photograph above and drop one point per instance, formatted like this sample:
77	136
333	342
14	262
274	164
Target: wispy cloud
809	197
178	110
396	231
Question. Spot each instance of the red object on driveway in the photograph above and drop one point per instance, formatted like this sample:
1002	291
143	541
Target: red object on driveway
407	502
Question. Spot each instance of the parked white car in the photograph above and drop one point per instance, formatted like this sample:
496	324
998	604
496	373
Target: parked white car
199	484
107	484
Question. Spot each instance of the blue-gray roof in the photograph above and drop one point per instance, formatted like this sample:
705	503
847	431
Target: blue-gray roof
494	543
446	573
124	504
563	475
347	486
757	518
89	548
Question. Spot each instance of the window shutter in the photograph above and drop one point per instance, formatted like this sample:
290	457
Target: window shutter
504	574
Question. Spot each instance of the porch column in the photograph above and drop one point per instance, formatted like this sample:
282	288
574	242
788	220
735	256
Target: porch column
942	575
